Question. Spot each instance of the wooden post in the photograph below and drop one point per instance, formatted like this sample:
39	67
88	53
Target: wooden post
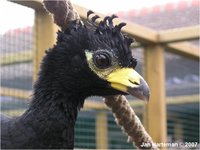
178	130
101	130
44	35
155	117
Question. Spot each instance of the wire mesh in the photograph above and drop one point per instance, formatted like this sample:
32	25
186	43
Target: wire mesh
85	131
16	63
182	80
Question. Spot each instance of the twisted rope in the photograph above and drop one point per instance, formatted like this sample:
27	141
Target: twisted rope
62	11
130	124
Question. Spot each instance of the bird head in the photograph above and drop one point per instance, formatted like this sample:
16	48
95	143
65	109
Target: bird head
97	60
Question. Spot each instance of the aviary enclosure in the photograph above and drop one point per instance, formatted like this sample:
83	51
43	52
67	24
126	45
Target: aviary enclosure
168	59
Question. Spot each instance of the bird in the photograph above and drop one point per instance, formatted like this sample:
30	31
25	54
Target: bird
94	59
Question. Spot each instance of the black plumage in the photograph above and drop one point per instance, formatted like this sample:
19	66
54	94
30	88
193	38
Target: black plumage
64	81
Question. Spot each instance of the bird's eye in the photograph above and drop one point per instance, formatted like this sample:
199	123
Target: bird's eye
102	60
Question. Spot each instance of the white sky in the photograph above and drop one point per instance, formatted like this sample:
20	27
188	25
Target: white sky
15	16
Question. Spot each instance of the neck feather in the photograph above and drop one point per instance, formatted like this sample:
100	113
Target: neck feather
53	114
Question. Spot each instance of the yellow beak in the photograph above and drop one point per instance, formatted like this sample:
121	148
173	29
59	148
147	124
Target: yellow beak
129	81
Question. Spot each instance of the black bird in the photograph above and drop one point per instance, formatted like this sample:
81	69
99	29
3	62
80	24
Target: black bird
87	60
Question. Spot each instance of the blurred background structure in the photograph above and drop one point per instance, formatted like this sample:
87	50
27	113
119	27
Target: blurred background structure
167	49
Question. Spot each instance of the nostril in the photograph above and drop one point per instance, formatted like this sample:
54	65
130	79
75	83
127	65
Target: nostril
134	82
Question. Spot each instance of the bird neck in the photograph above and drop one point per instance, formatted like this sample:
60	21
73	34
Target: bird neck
53	114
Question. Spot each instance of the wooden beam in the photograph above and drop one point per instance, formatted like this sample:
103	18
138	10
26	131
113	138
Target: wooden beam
45	37
175	100
44	31
22	94
16	57
101	130
91	104
140	33
178	129
179	34
179	100
34	4
184	48
13	112
155	117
